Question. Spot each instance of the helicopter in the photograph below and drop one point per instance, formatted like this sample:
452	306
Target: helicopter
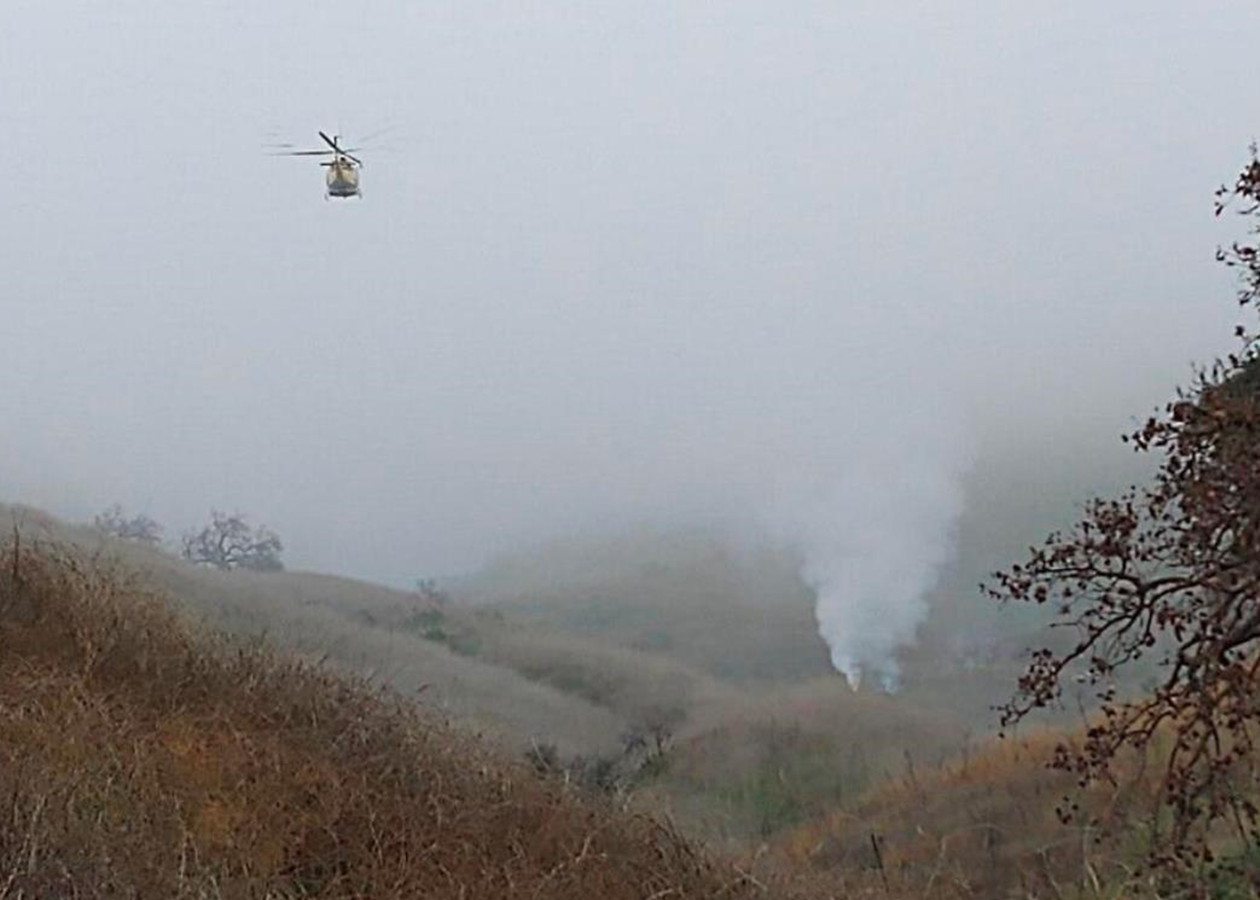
342	177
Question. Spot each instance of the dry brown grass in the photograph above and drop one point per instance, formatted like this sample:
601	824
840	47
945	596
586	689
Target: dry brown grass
322	617
766	762
985	825
137	759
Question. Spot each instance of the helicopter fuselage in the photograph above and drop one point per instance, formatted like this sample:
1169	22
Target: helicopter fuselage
342	178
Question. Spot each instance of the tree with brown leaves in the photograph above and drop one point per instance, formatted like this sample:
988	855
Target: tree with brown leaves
1170	573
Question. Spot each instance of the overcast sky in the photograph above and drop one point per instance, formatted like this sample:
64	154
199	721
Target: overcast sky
614	261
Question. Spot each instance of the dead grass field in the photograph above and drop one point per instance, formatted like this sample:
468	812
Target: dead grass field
326	618
140	760
985	824
136	754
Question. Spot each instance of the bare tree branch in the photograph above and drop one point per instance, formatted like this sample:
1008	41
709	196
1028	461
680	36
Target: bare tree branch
1171	571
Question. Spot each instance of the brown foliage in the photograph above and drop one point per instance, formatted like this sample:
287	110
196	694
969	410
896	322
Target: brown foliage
1171	571
982	825
139	760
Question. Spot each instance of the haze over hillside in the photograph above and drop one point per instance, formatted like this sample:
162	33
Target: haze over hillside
795	271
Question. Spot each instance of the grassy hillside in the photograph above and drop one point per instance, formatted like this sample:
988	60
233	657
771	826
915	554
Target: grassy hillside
762	755
752	770
138	759
348	623
987	824
741	614
757	735
984	824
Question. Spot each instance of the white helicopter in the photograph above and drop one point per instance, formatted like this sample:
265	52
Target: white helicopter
342	178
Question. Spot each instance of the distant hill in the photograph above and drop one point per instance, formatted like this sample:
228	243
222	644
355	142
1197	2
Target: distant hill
739	612
736	611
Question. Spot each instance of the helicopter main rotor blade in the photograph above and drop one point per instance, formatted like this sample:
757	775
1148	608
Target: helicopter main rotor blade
305	153
332	142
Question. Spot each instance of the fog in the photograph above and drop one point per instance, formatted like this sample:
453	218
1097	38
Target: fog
797	266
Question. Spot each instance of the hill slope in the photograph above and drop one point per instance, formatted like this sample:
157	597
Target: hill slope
353	625
139	760
526	673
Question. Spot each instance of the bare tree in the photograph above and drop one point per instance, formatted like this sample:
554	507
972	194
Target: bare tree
430	595
1171	572
116	523
228	542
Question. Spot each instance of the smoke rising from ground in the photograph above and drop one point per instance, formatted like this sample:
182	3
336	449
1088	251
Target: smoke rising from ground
872	551
870	505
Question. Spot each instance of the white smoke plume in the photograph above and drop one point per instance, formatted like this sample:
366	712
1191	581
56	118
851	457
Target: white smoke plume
873	527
